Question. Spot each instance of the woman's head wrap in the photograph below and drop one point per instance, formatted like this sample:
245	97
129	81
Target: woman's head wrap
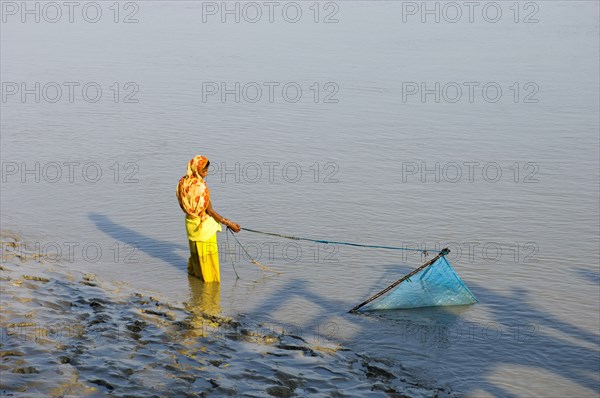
192	192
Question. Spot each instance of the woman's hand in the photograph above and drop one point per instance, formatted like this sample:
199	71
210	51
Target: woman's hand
234	226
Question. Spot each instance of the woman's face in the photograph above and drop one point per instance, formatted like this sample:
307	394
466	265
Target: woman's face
204	172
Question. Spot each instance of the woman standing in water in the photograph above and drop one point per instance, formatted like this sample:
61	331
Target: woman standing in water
201	221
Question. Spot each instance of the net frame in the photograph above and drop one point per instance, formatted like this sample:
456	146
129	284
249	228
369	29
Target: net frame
429	263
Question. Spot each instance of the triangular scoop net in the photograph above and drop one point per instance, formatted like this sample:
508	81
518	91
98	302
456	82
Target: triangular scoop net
433	284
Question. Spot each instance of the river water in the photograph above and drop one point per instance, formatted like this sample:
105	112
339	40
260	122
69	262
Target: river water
356	121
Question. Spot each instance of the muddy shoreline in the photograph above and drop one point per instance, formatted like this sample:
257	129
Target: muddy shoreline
69	334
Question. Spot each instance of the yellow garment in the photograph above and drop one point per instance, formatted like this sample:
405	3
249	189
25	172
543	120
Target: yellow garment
198	230
204	260
204	251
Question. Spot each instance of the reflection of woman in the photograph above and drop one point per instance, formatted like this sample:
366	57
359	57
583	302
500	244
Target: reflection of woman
201	221
203	306
205	298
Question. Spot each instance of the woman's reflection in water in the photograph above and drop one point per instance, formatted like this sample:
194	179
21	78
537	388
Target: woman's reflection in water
204	306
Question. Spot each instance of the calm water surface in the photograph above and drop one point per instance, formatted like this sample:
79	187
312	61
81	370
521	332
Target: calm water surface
516	197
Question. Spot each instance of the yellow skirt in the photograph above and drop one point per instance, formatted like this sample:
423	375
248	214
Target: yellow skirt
204	260
204	252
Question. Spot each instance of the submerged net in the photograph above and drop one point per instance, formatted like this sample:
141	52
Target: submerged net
433	284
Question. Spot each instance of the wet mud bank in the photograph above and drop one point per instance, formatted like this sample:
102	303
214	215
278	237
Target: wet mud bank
69	334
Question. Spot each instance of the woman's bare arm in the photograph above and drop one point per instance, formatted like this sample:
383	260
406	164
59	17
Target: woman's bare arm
220	219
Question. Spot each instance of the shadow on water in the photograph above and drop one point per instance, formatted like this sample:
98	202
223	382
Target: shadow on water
204	297
589	276
519	334
538	340
535	339
162	250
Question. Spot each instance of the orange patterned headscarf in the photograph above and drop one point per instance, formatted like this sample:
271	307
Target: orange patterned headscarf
192	192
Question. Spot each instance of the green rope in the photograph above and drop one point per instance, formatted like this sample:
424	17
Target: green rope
329	242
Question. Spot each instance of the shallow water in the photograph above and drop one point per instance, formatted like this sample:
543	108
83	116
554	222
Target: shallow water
525	242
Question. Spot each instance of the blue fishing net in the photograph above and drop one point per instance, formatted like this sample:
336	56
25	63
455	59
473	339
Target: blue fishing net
435	285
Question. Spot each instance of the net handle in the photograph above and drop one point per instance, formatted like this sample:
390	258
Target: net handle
444	252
